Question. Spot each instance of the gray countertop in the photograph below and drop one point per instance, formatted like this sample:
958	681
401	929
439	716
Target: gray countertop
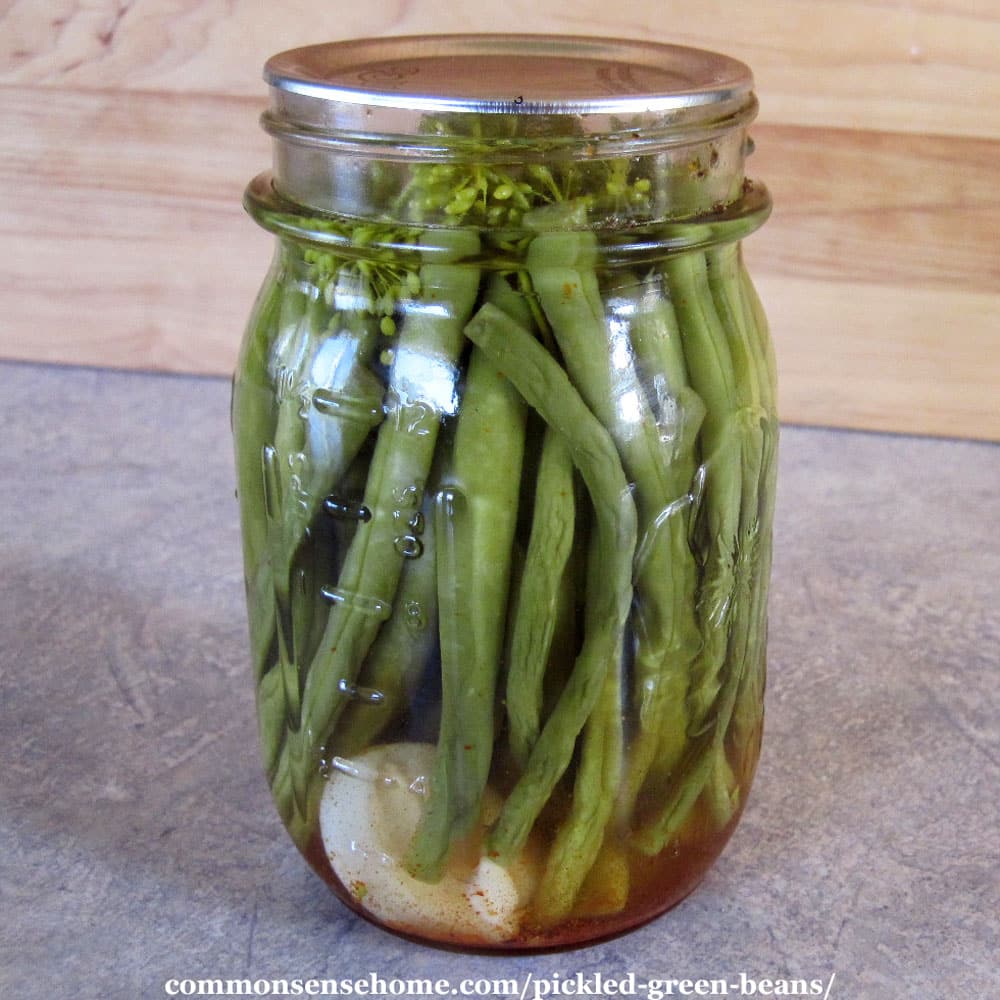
137	839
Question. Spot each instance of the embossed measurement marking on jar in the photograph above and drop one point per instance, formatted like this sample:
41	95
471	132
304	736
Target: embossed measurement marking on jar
275	498
410	416
408	496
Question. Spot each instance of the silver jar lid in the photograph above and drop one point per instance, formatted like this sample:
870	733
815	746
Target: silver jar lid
385	89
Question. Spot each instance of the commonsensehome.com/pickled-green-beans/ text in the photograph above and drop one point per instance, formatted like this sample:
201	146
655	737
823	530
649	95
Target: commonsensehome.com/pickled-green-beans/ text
526	987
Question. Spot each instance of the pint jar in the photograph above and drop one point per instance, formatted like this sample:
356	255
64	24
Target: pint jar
505	435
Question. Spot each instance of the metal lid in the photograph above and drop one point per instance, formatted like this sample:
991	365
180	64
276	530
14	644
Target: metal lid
389	86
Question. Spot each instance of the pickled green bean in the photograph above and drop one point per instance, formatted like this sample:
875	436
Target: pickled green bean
710	369
722	359
484	483
426	354
662	677
535	609
546	387
432	837
600	358
579	839
749	702
253	419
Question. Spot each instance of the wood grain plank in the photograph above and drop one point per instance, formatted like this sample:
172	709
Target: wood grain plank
886	357
124	244
880	207
926	66
125	279
124	241
188	146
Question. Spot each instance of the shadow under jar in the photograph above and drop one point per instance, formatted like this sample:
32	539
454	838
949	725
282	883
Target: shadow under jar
505	434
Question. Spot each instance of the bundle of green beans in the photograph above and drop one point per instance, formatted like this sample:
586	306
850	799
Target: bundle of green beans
501	494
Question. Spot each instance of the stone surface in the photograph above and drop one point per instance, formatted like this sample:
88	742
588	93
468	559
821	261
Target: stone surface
137	838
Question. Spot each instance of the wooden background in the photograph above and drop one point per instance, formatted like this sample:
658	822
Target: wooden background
129	129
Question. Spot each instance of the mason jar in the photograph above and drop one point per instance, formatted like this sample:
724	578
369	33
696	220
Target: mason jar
505	435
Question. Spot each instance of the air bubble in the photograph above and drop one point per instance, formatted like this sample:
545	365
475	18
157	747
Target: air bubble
414	616
409	546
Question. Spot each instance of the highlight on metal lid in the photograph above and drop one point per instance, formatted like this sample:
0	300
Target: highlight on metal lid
389	86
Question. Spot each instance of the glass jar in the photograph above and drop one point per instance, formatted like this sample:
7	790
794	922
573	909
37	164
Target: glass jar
505	438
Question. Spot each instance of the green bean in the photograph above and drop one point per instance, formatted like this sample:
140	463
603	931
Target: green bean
421	391
695	770
749	700
328	400
756	319
600	358
722	359
710	369
515	302
284	468
695	766
538	319
662	676
428	848
284	794
540	602
341	406
486	470
723	271
253	416
272	720
303	322
346	403
561	268
569	604
546	387
749	704
581	835
476	518
536	605
301	310
261	477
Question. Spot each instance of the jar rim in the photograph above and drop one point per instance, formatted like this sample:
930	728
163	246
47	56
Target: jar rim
574	84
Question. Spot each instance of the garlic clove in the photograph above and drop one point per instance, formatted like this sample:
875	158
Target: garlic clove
368	813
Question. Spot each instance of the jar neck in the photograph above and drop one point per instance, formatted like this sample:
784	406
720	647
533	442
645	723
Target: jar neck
513	171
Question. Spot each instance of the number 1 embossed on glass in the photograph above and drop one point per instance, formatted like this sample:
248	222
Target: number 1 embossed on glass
505	435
